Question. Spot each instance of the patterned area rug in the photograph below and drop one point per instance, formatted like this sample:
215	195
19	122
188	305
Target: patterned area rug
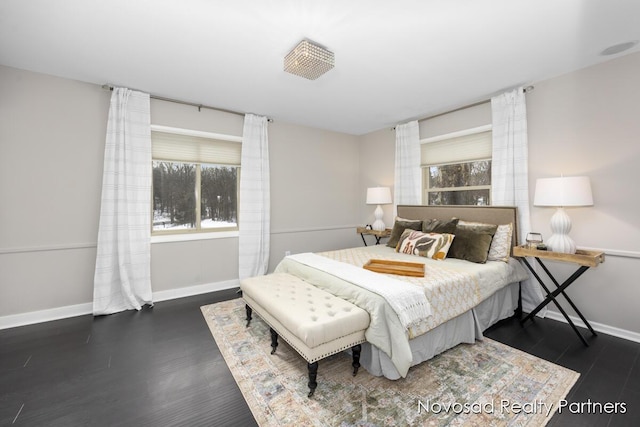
485	384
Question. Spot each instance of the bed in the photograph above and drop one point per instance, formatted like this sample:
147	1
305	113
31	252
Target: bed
412	319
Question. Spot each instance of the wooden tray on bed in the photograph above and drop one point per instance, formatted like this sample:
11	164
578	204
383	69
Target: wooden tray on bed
395	267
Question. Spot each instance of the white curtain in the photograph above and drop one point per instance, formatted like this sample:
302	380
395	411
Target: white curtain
510	172
408	177
122	278
254	211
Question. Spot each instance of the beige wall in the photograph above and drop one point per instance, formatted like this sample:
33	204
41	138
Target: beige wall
52	134
377	154
51	153
314	187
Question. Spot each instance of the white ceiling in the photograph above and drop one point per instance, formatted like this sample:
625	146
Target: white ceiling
395	60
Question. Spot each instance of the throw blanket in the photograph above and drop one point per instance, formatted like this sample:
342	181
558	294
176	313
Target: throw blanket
385	331
408	301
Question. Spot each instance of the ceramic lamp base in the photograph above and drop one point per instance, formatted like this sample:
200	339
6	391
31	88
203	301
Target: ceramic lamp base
378	224
560	240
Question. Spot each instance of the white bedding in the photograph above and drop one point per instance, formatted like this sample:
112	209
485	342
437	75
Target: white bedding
452	287
408	301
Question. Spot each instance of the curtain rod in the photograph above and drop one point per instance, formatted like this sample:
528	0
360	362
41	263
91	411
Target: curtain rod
191	104
475	104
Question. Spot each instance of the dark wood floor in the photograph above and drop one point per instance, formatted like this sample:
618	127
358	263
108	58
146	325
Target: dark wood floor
161	367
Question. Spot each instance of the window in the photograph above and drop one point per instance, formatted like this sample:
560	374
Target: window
195	181
456	169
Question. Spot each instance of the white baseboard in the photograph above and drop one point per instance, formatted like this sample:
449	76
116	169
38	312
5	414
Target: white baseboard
58	313
598	327
47	315
194	290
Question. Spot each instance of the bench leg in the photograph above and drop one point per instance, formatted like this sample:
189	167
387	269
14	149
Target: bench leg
249	311
356	358
274	340
313	374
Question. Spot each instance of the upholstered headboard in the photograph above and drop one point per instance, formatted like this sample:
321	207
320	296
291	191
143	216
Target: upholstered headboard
488	214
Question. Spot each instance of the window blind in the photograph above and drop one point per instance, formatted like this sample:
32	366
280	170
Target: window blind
194	149
465	148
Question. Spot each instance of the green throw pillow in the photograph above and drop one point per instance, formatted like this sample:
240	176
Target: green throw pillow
439	226
481	227
470	245
399	226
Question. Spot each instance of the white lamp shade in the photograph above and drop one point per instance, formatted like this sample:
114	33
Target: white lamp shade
378	196
563	191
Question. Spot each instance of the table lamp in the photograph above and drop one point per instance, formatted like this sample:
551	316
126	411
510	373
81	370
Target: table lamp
562	192
378	196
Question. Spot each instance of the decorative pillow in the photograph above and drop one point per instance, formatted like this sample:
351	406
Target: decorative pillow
399	226
439	226
429	245
470	245
501	244
478	226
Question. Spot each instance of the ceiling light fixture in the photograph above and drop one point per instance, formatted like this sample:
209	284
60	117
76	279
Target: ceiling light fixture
308	60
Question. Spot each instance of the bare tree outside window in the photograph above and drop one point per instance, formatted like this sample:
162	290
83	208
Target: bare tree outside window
466	183
219	202
177	188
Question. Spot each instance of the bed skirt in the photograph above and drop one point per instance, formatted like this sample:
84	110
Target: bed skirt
465	328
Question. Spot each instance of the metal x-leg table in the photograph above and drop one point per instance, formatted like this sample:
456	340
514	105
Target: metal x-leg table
584	259
375	233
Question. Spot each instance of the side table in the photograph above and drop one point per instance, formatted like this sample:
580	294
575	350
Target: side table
583	258
375	233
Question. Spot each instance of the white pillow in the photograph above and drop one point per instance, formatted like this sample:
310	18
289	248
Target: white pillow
501	244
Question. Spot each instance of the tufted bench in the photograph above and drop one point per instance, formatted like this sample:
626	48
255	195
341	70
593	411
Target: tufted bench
314	322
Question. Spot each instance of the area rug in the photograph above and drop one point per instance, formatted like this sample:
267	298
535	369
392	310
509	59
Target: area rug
484	384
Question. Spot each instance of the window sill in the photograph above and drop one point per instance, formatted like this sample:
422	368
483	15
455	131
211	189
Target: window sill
168	238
